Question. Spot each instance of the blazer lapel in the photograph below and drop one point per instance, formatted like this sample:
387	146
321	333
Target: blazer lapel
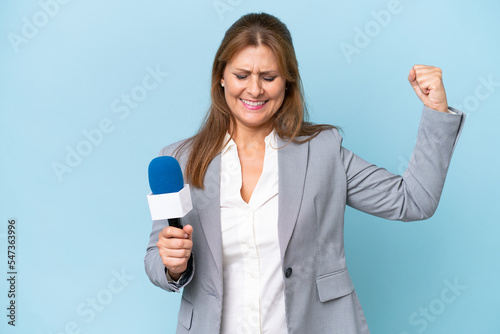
208	206
292	166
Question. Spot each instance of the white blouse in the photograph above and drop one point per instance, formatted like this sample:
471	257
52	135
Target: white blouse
253	299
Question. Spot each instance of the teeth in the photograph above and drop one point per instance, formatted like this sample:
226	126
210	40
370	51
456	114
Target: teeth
253	104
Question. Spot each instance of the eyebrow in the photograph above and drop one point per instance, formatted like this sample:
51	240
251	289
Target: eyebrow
263	72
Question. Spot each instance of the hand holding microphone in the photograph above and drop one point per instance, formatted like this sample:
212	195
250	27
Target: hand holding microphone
171	199
175	245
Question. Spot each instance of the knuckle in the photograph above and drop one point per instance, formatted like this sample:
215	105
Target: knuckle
179	243
171	242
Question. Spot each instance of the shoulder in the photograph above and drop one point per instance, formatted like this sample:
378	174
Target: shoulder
180	150
327	137
170	149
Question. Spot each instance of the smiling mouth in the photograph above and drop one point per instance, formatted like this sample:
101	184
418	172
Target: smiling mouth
253	103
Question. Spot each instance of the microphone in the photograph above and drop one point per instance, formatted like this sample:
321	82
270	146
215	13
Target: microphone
170	198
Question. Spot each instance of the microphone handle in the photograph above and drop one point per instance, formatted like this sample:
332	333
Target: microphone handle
175	222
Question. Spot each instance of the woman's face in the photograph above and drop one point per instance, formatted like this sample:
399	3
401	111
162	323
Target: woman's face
253	87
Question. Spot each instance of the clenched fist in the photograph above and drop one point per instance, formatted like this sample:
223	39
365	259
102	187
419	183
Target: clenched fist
427	81
175	247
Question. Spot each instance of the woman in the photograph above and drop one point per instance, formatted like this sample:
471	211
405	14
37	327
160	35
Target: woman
262	251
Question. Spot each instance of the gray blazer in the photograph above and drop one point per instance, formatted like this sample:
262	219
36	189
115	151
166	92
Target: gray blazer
316	181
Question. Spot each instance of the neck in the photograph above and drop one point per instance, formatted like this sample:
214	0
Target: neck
250	137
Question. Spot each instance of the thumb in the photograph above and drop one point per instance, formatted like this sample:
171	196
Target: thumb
188	229
412	78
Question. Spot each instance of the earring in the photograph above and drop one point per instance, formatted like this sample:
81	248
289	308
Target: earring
222	84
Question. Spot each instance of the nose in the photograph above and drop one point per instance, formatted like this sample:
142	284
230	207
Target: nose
254	87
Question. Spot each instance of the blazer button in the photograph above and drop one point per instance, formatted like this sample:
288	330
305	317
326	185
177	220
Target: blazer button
288	272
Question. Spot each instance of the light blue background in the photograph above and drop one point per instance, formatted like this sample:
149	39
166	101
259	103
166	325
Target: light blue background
75	234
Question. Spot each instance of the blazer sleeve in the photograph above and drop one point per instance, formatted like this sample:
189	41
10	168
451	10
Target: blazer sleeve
414	195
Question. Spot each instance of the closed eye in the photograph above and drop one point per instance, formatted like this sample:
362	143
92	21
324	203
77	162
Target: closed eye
242	77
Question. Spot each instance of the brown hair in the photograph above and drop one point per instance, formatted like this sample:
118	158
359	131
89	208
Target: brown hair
290	121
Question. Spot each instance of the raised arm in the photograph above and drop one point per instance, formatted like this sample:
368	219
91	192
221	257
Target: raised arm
414	195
